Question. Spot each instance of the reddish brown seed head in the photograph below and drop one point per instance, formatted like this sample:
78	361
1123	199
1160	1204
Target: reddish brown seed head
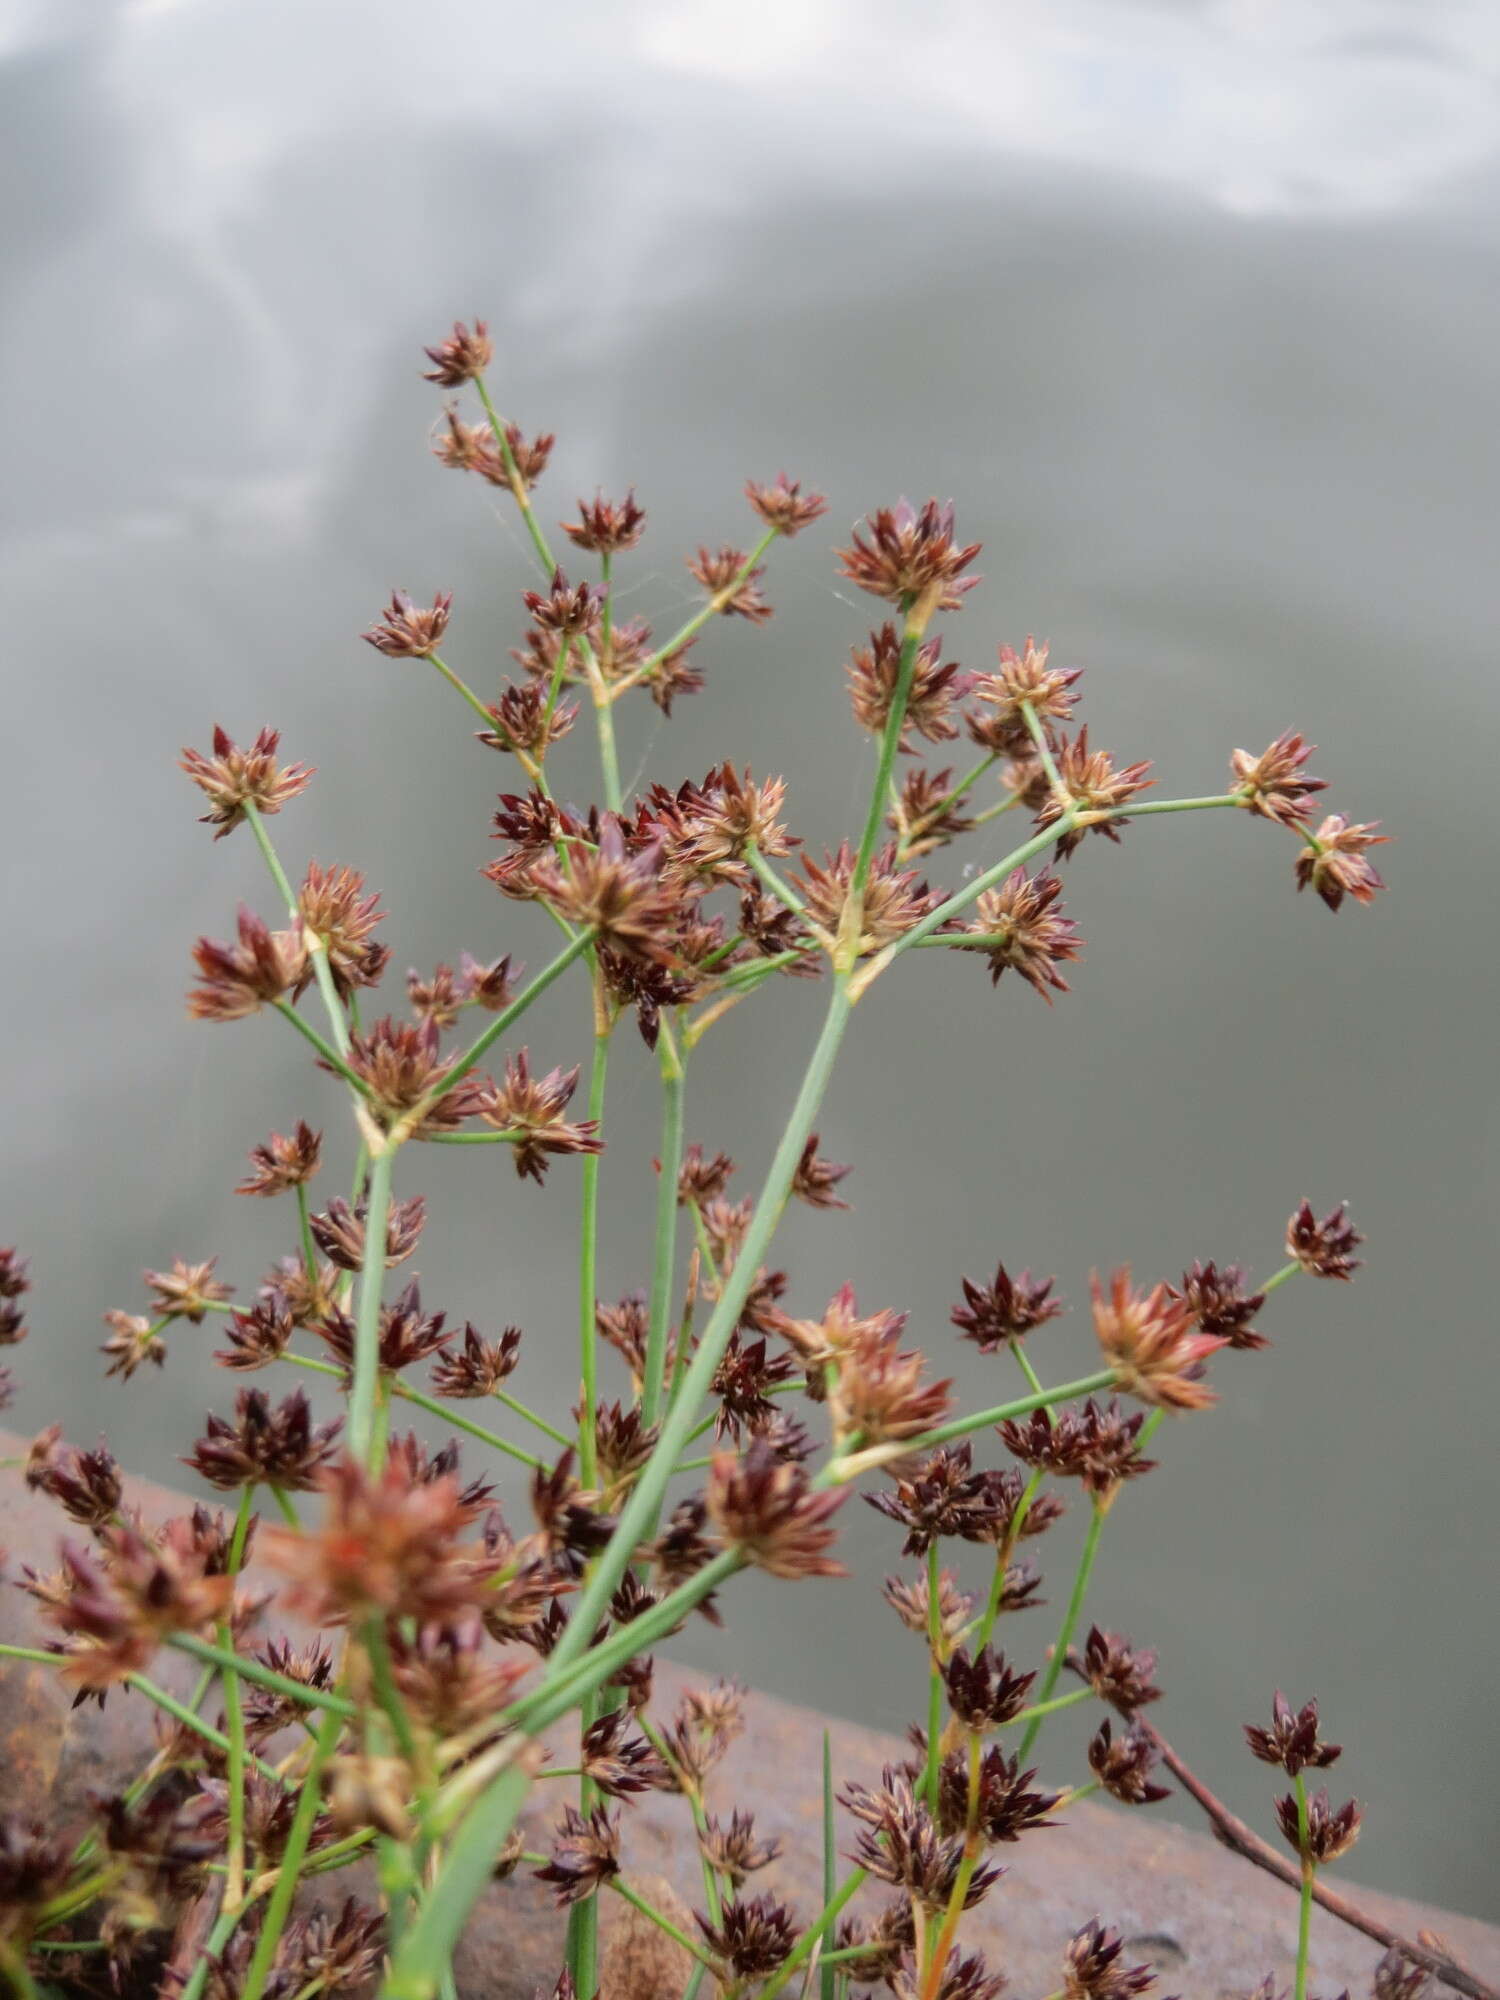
233	778
907	555
460	355
784	506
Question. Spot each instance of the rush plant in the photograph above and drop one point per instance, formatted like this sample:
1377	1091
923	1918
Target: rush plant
386	1699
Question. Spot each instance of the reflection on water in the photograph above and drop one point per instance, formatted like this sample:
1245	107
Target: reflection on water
1193	309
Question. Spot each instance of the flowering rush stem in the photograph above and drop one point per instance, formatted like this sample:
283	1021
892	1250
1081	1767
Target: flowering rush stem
588	1266
365	1386
1042	1707
317	950
664	1248
507	1018
1309	1872
292	1854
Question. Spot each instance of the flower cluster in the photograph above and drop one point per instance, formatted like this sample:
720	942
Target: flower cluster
393	1659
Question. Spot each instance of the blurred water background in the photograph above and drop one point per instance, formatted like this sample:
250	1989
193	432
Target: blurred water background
1194	310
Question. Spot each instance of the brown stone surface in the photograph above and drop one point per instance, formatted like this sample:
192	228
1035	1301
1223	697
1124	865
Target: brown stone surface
1213	1924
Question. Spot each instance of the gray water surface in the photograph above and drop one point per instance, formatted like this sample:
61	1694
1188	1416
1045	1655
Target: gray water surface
1193	309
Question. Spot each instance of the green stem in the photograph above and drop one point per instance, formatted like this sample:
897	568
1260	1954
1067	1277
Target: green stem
1065	1631
1039	1710
252	1670
1023	1360
463	688
289	1872
956	904
1304	1918
330	1055
554	688
366	1382
503	1020
1134	811
304	1223
461	1423
702	616
588	1275
827	1979
663	1923
218	1937
802	1950
1003	1555
524	1410
234	1715
609	771
517	483
769	879
554	1698
645	1499
890	741
857	1462
318	950
664	1251
934	1676
1280	1277
428	1944
1038	736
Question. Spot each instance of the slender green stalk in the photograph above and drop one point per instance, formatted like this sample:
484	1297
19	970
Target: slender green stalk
769	879
252	1670
959	901
1038	736
1309	1871
609	769
841	1470
279	1907
827	1978
1065	1631
890	743
1279	1278
463	688
517	483
803	1949
524	1410
1039	1710
664	1249
555	685
700	617
1145	806
1023	1361
365	1386
428	1944
663	1923
286	1508
502	1021
649	1488
317	949
934	1676
223	1930
304	1224
1003	1555
325	1050
234	1715
449	1415
533	1713
588	1274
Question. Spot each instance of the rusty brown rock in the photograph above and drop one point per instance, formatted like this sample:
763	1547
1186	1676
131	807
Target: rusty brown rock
1213	1925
